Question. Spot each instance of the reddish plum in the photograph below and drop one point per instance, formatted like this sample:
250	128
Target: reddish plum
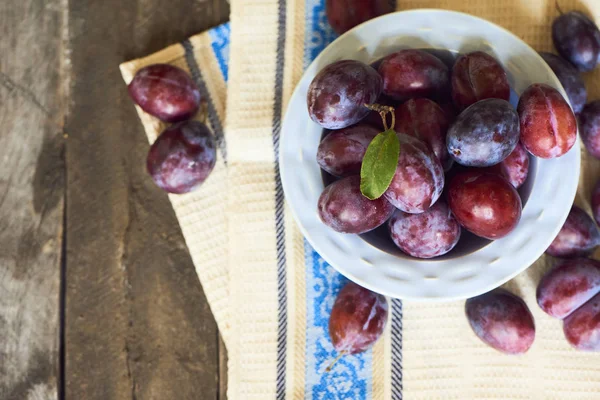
548	125
589	127
182	157
341	152
343	207
357	319
515	167
582	327
344	15
569	78
577	39
425	120
477	76
578	236
166	92
413	73
502	321
430	234
596	203
484	134
568	286
337	96
419	178
484	204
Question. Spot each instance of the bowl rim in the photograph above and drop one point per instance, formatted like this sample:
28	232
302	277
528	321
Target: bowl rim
311	71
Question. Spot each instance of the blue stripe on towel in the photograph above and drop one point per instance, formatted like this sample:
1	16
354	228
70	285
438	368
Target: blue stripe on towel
350	377
219	37
317	33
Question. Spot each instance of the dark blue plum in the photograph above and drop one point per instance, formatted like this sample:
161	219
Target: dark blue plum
569	78
484	134
577	39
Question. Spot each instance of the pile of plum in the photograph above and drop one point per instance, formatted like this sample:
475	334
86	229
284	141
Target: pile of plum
478	157
184	154
481	155
490	143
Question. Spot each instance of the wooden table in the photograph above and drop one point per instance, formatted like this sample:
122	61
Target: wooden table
98	295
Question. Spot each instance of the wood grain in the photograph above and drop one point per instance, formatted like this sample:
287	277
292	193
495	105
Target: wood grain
137	323
32	109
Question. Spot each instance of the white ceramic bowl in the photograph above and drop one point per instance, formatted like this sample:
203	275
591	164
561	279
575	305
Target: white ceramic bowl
554	182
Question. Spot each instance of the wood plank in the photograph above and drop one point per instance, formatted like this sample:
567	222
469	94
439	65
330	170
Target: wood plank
137	322
32	109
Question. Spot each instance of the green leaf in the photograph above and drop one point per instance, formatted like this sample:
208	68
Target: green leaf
379	164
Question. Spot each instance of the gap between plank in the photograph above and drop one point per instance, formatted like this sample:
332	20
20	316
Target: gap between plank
62	293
